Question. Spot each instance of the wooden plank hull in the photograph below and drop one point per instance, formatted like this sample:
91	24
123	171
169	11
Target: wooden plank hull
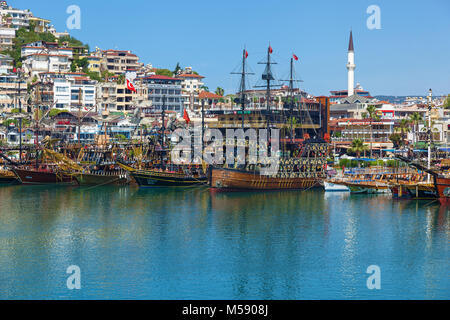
411	191
233	179
8	180
443	189
31	177
149	179
101	180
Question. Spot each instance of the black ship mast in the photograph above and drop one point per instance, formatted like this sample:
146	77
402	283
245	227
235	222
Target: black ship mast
242	87
291	94
163	131
268	77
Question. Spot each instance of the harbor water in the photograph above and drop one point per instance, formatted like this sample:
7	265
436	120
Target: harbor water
134	243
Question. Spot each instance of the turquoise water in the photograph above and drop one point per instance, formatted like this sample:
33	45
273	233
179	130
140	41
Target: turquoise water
192	244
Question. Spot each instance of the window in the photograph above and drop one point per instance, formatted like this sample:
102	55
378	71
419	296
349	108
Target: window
61	89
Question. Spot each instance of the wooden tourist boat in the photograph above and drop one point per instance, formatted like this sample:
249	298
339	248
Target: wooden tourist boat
152	178
43	176
367	187
147	178
295	173
7	177
236	180
335	187
102	179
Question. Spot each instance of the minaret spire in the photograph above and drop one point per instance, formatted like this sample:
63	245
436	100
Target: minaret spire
351	66
350	45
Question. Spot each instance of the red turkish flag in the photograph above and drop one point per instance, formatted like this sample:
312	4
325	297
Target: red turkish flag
270	50
130	86
246	54
295	57
186	117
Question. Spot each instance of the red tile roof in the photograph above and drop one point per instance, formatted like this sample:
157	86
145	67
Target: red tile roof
160	77
209	95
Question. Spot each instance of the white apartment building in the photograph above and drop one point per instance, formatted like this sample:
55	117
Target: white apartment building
191	87
19	18
6	38
69	91
6	64
42	62
37	47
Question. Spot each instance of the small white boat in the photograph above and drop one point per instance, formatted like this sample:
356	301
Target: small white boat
332	187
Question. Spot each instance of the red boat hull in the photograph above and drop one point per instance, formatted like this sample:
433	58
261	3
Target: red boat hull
31	177
443	188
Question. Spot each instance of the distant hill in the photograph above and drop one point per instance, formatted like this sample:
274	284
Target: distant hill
393	99
399	99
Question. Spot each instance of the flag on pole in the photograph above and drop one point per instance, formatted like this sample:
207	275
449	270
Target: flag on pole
186	117
270	50
295	57
130	76
246	54
130	86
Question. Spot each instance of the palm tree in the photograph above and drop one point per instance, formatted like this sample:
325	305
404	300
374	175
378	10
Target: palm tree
294	122
415	119
426	127
220	91
403	127
372	113
358	147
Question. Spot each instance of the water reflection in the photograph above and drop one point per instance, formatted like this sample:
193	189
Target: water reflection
194	244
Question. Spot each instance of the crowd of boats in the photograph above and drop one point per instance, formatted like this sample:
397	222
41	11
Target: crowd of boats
145	167
412	182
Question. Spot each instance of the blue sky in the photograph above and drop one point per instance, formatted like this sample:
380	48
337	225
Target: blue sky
409	55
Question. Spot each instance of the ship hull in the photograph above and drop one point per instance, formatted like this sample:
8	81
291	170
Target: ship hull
151	179
236	180
416	192
30	177
443	189
5	181
101	180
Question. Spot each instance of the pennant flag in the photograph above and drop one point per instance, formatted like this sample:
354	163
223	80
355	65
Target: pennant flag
186	117
14	69
295	57
246	54
130	86
270	50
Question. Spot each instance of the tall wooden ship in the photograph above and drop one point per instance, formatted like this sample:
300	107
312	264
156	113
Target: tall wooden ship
302	162
157	171
296	173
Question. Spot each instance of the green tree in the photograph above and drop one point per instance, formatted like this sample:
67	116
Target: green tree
403	128
415	119
358	147
177	69
204	88
447	102
372	113
83	64
220	91
397	140
164	72
55	112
